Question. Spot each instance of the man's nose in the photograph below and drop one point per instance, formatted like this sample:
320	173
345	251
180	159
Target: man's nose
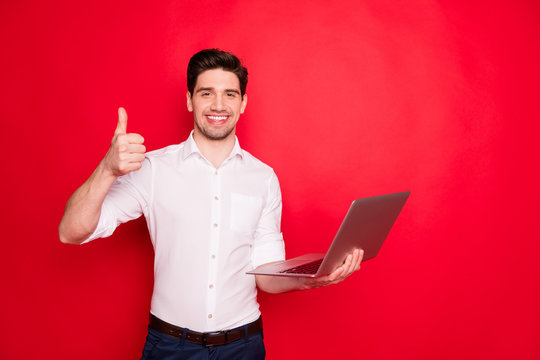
218	104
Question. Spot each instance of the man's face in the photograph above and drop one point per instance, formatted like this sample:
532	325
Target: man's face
216	104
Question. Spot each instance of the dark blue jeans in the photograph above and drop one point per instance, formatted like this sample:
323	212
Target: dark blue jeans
160	346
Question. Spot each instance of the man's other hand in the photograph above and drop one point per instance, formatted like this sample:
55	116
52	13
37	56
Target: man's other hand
350	265
126	153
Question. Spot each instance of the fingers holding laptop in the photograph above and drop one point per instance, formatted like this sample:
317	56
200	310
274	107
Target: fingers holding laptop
354	265
350	265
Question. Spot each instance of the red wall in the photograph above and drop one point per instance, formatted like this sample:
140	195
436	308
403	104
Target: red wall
348	100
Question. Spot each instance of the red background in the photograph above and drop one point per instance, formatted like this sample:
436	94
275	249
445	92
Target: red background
346	100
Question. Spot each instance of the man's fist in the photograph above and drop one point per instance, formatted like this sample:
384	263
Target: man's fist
126	153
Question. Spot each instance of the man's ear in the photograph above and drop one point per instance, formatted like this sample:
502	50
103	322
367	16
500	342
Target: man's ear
189	103
244	104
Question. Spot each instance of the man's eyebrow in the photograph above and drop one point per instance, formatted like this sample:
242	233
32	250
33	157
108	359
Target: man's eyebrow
205	89
236	91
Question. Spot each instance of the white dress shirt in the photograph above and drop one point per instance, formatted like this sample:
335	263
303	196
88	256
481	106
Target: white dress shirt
208	227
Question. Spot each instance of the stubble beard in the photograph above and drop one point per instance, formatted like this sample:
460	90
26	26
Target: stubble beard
214	135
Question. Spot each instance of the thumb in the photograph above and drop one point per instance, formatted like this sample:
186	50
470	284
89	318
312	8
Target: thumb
121	127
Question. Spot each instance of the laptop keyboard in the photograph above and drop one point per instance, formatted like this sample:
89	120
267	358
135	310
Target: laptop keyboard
309	268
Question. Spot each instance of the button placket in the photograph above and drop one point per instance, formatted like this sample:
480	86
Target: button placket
214	245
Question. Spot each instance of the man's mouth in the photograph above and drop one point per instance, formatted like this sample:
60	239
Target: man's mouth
217	119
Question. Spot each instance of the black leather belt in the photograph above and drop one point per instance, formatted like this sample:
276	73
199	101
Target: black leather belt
206	339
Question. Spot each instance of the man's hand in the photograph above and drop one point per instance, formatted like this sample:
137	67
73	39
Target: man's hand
351	264
126	153
281	284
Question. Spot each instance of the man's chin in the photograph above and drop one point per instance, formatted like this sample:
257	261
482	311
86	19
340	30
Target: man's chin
217	135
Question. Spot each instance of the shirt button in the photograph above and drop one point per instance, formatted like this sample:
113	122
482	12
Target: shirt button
209	316
211	286
216	197
215	225
213	256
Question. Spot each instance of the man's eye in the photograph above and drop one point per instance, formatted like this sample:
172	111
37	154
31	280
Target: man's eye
205	94
231	95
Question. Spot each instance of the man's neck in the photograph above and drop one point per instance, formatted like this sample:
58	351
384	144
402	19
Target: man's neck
216	151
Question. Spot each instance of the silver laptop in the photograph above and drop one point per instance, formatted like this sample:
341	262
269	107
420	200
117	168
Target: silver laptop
365	226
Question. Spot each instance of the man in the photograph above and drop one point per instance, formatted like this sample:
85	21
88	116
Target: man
213	212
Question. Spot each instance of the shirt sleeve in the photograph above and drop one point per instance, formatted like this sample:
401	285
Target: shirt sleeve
126	200
268	245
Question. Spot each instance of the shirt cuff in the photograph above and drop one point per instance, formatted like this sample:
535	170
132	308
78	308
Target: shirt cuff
268	251
102	229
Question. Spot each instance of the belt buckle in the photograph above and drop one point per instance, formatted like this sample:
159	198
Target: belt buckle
204	341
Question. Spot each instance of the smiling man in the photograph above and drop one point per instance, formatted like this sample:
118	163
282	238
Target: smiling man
213	213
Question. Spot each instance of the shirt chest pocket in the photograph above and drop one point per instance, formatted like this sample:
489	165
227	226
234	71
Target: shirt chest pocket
245	212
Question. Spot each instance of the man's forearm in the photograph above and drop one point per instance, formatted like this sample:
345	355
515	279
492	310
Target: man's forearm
83	208
278	284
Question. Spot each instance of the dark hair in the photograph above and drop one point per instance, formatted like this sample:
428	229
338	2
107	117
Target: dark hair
215	59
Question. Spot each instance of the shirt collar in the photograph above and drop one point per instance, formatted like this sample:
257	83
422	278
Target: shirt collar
190	147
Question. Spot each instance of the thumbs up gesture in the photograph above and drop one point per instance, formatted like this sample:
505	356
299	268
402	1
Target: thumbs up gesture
126	153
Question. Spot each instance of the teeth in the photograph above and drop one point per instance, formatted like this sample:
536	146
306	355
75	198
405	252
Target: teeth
217	118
